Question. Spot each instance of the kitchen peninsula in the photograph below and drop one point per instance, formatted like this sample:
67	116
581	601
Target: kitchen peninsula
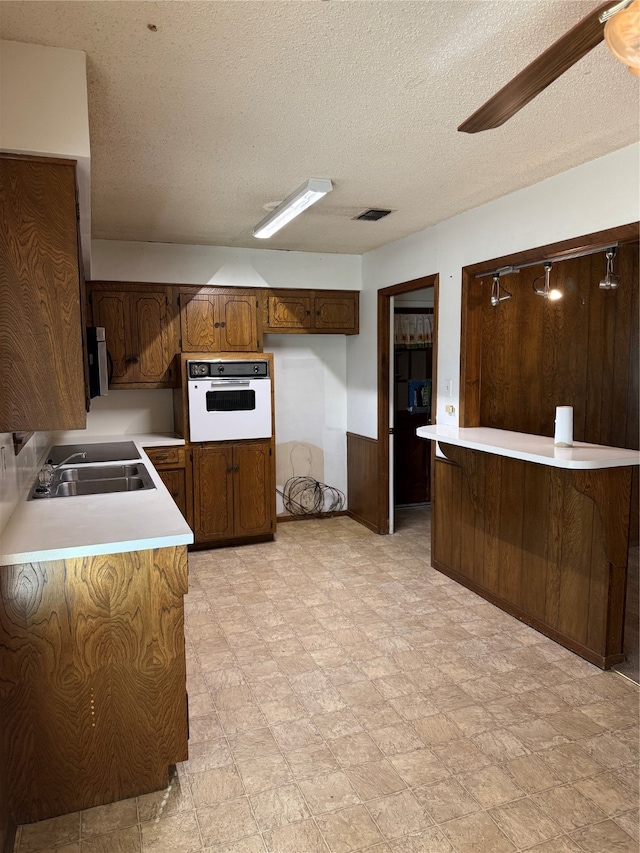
92	697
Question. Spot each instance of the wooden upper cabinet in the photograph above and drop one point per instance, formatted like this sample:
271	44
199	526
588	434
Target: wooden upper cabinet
289	311
227	322
41	350
310	312
336	312
140	333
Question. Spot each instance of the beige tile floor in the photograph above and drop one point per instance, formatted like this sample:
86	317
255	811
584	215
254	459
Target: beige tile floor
345	696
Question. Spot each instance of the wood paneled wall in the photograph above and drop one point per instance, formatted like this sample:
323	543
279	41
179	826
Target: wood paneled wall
362	480
546	544
579	351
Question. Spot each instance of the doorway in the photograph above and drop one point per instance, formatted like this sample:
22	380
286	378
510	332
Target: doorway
406	393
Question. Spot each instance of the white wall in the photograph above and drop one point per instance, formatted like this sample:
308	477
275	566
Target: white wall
598	195
220	266
310	370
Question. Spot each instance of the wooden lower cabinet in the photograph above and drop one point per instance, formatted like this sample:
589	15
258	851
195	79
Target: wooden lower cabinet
233	491
174	469
93	692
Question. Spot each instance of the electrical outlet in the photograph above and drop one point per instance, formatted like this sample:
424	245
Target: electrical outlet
450	410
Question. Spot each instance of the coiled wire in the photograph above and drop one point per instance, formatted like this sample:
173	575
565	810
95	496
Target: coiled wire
306	496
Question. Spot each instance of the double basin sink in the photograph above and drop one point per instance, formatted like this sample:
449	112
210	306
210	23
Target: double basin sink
87	479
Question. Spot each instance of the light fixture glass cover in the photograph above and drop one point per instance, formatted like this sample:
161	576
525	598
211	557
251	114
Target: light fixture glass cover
622	35
306	195
610	280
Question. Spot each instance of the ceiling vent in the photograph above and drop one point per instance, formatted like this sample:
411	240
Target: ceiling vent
373	214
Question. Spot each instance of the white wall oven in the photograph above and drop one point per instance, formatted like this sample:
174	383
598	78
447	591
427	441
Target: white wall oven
229	400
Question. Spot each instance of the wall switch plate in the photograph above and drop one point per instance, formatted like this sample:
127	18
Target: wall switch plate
448	387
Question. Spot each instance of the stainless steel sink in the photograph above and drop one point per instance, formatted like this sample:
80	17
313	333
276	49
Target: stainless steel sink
94	480
108	472
99	487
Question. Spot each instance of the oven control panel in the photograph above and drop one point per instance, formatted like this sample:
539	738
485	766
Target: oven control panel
228	369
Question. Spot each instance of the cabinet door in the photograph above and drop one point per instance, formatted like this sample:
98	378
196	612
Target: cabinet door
197	324
290	311
254	492
41	367
238	318
336	313
213	492
111	310
151	346
175	481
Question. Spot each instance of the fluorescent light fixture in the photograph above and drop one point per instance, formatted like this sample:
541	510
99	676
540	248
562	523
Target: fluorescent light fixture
300	200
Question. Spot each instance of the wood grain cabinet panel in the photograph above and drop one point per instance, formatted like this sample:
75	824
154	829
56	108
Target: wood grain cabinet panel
93	699
289	311
335	312
40	320
174	467
311	312
140	333
234	491
226	322
213	492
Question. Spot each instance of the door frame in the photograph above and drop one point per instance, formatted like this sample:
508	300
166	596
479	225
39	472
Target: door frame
384	362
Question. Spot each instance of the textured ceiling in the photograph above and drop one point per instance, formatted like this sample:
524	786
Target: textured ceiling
230	105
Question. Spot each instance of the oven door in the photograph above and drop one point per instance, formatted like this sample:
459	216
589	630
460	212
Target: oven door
229	409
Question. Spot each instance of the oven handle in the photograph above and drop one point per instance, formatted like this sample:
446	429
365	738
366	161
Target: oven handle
224	382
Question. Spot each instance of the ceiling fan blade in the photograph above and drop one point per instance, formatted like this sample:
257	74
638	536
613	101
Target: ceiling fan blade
557	59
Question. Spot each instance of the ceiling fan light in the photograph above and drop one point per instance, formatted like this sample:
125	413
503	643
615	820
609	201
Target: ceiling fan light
622	35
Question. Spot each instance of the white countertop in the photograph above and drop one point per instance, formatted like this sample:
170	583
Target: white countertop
532	448
86	525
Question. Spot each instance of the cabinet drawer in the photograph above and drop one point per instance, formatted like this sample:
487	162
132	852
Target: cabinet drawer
160	456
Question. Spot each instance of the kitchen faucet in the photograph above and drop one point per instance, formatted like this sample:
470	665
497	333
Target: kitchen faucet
46	475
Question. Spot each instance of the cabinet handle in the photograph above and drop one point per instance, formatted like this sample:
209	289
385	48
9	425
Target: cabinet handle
237	468
307	313
216	325
230	469
222	325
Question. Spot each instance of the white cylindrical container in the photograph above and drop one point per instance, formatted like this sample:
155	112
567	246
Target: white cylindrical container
564	426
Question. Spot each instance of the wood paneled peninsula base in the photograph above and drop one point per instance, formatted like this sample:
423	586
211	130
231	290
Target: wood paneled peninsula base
92	679
547	544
